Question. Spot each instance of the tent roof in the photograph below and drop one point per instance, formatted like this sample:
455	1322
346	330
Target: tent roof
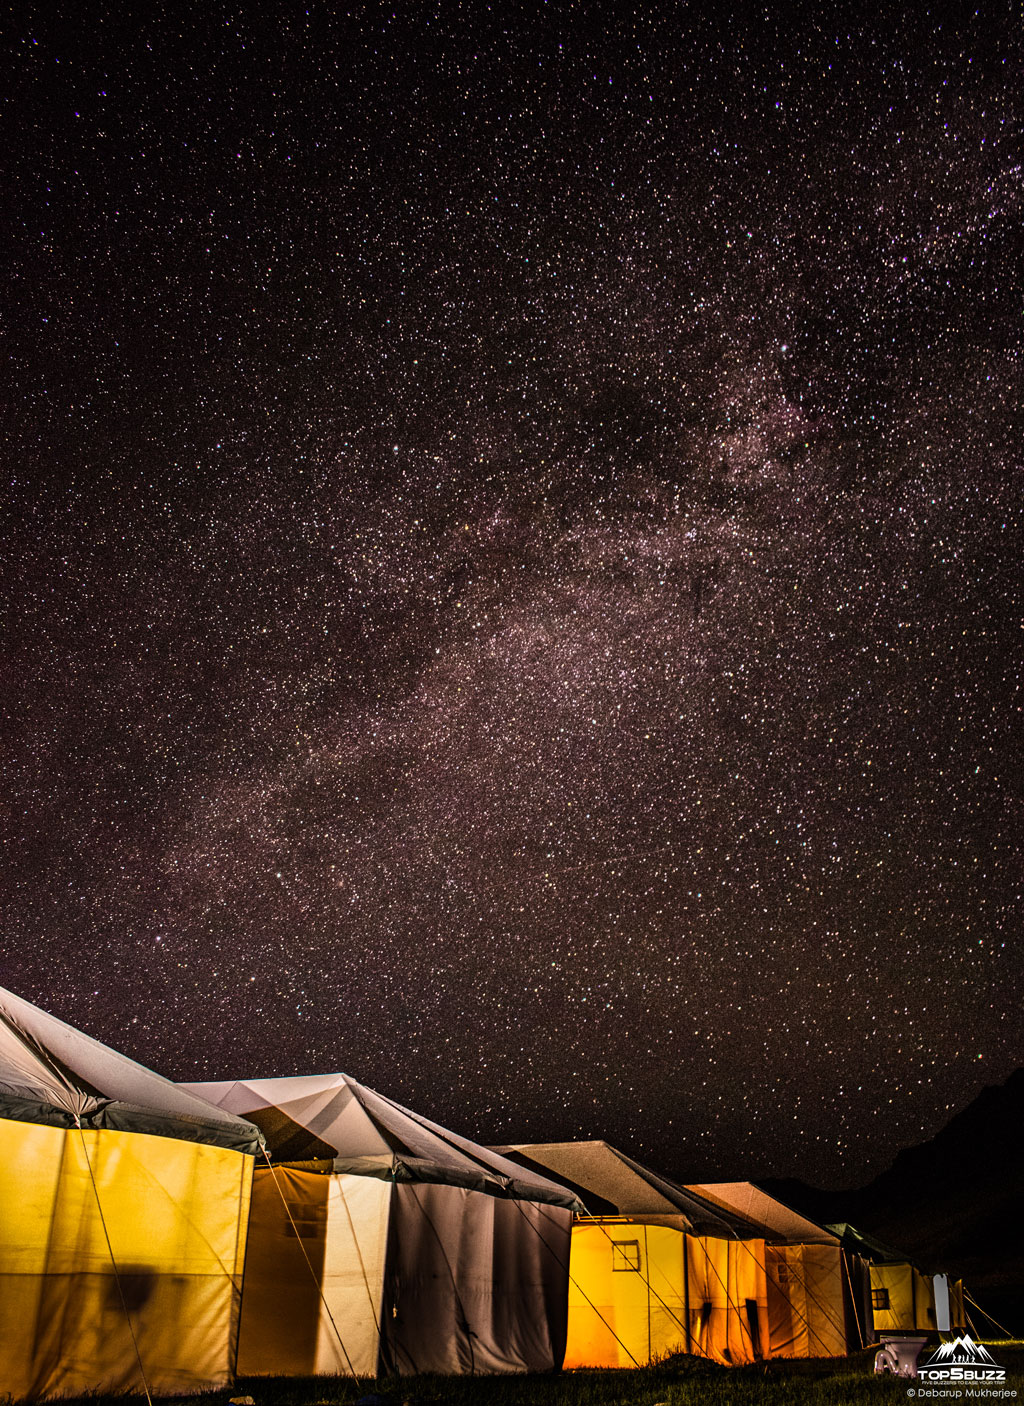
611	1183
757	1207
53	1074
877	1251
330	1118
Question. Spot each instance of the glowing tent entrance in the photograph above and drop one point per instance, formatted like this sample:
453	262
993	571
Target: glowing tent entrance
123	1204
379	1241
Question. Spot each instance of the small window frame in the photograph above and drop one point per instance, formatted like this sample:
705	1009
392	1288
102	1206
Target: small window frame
626	1257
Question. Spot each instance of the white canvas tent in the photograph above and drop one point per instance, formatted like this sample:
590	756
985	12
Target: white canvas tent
380	1241
123	1209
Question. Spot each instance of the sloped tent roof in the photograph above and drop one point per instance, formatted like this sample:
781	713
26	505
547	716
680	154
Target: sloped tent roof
53	1074
757	1207
332	1120
877	1251
611	1183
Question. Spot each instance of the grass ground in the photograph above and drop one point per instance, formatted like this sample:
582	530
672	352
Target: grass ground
682	1381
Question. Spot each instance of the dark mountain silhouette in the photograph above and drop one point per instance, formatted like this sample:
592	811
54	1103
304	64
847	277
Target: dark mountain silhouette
952	1203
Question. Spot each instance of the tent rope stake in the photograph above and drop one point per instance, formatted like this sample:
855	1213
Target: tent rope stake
113	1261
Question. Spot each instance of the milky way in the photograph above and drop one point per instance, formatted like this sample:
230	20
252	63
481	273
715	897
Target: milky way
511	552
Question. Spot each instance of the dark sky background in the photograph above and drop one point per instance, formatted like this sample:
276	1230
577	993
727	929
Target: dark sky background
511	549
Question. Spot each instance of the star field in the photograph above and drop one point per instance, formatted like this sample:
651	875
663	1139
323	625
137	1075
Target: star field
512	550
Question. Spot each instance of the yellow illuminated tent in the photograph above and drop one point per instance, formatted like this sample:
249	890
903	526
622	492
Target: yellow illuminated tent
655	1269
903	1298
724	1271
379	1241
816	1291
123	1204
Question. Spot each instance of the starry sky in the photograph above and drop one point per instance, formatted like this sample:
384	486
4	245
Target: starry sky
511	540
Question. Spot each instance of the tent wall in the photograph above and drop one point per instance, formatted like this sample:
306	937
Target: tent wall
903	1299
609	1294
351	1273
316	1252
728	1299
806	1301
354	1266
175	1213
639	1292
474	1283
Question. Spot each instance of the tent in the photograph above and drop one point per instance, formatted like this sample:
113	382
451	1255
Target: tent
123	1206
817	1293
380	1242
723	1271
655	1267
902	1297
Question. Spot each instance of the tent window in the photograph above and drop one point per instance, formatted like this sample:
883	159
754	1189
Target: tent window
782	1272
625	1256
880	1299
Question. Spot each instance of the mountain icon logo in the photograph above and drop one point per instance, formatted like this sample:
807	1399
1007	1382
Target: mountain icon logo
964	1351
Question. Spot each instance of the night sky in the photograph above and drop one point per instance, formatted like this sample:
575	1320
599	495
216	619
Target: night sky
510	555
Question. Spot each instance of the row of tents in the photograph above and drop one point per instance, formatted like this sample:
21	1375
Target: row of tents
170	1237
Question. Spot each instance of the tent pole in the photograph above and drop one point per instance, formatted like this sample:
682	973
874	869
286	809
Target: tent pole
647	1262
686	1294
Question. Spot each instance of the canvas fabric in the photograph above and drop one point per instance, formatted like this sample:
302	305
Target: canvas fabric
728	1299
314	1272
350	1274
807	1304
610	1183
911	1299
175	1213
395	1243
640	1291
474	1283
757	1208
52	1073
333	1118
